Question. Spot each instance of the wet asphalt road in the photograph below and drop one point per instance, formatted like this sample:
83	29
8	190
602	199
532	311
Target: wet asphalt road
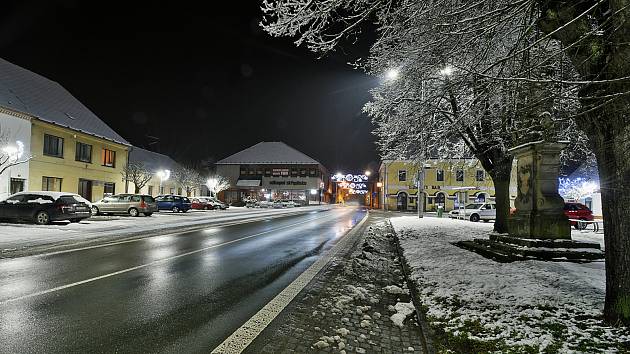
174	293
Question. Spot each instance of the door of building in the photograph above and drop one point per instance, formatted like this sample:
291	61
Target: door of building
85	189
401	201
17	185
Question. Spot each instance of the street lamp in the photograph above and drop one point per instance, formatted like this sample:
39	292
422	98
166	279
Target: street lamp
447	71
368	173
392	74
163	175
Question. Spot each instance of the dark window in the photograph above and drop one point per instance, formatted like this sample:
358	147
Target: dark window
480	176
259	172
243	171
109	188
252	171
68	199
108	158
53	145
84	152
148	199
294	172
150	190
52	184
303	172
402	175
267	172
439	175
136	198
312	172
459	175
17	185
179	191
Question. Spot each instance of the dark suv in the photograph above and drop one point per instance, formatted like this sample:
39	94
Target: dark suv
176	203
44	207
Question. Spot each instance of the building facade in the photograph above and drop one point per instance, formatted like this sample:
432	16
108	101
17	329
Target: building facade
446	184
59	143
162	167
274	171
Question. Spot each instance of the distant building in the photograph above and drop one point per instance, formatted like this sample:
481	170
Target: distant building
271	171
72	149
158	164
443	179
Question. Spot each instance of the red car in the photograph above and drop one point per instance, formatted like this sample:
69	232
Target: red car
201	204
572	210
577	211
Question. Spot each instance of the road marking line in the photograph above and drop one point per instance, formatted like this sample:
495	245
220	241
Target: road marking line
191	228
238	341
43	292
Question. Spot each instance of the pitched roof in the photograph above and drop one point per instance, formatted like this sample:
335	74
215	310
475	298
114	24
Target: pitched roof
27	92
269	152
152	160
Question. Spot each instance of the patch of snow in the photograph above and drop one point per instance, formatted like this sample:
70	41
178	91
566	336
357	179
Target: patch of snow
519	304
394	289
403	309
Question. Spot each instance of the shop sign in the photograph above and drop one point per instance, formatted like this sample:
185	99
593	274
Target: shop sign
288	183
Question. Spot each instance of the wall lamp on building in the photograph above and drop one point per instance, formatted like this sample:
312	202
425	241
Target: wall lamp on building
313	191
379	184
368	173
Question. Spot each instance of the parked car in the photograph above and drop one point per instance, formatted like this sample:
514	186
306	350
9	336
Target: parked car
132	204
477	211
577	211
218	204
201	203
175	203
265	204
44	207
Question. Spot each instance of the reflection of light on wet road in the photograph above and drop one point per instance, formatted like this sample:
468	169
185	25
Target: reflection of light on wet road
13	322
20	285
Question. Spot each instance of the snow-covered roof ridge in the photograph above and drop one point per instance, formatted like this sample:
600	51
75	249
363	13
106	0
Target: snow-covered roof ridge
24	91
269	152
152	160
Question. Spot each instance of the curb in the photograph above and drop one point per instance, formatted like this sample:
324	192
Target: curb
427	333
241	338
138	235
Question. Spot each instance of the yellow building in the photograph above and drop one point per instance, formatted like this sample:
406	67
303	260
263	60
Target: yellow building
63	146
445	182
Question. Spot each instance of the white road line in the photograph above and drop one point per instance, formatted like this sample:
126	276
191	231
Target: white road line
43	292
190	228
245	335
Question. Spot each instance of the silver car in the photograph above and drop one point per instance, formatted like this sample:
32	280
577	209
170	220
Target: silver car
132	204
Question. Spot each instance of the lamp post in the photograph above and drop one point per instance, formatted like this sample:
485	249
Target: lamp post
163	175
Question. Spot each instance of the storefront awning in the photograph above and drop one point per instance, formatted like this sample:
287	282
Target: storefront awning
248	183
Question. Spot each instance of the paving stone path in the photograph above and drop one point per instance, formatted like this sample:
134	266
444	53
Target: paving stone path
348	307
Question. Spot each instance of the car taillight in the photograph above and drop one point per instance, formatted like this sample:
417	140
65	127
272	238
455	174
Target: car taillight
143	204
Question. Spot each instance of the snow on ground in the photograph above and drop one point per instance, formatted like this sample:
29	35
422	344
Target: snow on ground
16	237
528	305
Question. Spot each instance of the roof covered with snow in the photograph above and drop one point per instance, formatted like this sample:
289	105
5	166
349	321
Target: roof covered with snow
269	152
24	91
152	160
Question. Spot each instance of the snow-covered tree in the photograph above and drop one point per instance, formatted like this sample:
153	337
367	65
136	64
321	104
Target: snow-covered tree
11	152
217	184
138	174
188	178
494	41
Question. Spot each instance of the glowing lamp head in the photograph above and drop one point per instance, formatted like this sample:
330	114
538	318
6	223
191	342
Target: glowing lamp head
447	71
392	74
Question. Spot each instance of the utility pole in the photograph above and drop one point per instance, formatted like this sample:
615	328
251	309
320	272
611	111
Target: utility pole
420	180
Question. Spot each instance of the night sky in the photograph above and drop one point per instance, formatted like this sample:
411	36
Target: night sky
195	83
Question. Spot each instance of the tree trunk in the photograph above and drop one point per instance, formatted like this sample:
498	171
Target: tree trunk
137	190
501	179
610	137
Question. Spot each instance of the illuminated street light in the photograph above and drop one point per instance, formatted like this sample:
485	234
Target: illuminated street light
379	184
367	173
313	191
163	175
447	71
392	74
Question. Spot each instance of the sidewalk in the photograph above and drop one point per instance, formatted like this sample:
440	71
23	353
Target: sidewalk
359	304
17	240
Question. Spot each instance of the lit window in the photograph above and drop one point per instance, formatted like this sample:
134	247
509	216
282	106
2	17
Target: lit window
108	158
52	184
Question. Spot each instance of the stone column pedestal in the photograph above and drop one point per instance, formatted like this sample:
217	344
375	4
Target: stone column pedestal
539	206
